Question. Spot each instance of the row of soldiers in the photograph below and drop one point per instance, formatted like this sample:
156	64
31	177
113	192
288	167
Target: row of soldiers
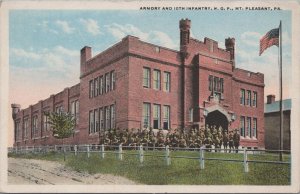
195	138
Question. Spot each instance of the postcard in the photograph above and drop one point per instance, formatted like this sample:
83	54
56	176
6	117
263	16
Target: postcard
149	96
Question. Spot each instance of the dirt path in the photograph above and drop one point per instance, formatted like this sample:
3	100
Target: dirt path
25	171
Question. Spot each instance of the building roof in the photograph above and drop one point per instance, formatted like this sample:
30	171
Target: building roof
274	107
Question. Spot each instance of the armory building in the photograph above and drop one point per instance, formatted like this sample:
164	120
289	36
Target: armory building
135	84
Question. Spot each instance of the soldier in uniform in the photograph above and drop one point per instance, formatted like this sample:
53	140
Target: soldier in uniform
160	139
230	137
216	143
220	136
225	141
107	139
152	140
182	142
236	140
198	142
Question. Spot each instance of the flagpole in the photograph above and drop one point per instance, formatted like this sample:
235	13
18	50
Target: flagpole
280	77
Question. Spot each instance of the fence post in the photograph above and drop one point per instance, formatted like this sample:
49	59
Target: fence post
88	150
246	167
26	151
168	159
102	151
201	158
141	154
55	148
75	150
120	152
33	148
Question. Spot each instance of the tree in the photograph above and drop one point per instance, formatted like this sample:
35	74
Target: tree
62	125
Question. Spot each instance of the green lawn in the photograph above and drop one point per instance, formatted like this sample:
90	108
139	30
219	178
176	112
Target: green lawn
154	170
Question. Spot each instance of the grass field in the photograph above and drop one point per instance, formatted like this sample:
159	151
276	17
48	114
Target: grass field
154	170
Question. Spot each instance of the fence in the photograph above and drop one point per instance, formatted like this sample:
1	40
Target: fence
139	151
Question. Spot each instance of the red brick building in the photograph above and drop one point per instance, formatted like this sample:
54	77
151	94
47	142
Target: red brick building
135	84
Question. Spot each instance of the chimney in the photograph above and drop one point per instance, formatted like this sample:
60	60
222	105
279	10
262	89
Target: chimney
230	45
15	109
184	26
270	99
85	54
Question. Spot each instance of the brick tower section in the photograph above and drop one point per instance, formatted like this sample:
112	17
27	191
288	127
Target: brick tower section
230	45
187	95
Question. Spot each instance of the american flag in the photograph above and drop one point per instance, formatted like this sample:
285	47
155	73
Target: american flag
268	40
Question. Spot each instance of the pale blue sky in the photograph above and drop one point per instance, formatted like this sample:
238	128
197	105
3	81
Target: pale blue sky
45	45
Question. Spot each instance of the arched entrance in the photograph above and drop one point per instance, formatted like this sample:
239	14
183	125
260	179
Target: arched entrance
218	119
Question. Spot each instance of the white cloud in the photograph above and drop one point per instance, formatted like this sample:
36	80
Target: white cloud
91	26
64	25
49	62
65	51
157	37
25	54
268	65
251	38
162	38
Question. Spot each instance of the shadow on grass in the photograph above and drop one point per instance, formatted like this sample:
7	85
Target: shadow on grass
154	170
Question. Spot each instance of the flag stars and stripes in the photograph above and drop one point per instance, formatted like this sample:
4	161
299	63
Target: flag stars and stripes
268	40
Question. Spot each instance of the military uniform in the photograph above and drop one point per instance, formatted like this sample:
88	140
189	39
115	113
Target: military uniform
225	141
236	140
230	141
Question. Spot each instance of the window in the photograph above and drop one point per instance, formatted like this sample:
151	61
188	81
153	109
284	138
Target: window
242	126
249	97
215	83
112	116
156	79
34	126
18	131
101	115
191	114
249	127
101	84
210	81
221	85
45	122
107	117
91	122
156	116
242	97
26	123
91	89
146	115
96	83
146	77
77	112
113	80
73	108
166	118
107	83
254	104
96	118
167	79
254	127
59	109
